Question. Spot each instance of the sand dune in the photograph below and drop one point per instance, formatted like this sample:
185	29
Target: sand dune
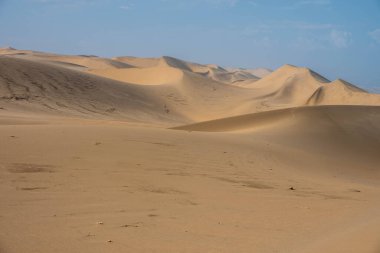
251	122
235	77
91	62
34	87
80	62
41	87
318	129
189	91
138	62
342	92
147	76
352	127
166	155
258	72
294	86
289	84
210	71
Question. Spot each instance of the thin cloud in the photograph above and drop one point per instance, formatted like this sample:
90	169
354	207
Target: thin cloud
229	3
375	35
309	43
304	3
223	2
314	2
311	26
66	2
126	7
71	2
287	25
340	39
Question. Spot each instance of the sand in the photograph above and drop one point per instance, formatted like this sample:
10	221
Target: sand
159	155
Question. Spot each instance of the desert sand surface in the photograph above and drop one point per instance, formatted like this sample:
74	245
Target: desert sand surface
163	155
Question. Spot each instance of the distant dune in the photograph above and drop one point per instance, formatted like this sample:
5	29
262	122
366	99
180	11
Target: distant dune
258	72
188	91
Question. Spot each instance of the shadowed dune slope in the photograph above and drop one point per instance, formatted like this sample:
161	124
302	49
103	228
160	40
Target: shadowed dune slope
336	131
341	116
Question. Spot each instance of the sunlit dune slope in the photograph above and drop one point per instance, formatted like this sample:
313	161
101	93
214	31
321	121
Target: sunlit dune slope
29	86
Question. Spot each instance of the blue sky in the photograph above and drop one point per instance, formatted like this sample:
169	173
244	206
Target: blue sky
337	38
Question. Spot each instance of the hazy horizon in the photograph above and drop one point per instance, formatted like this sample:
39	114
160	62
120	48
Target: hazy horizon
338	39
